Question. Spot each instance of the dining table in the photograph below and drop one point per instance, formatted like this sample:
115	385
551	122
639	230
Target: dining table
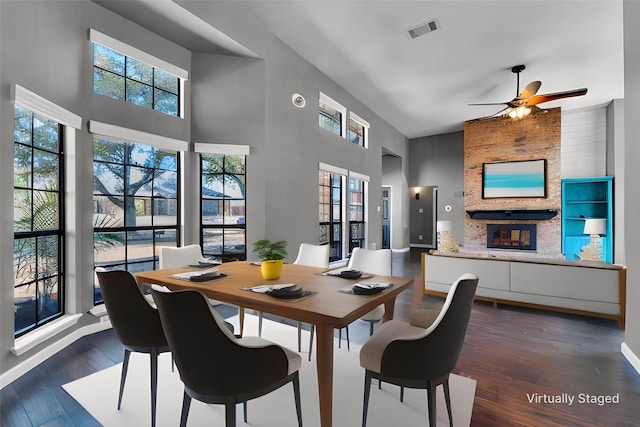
328	303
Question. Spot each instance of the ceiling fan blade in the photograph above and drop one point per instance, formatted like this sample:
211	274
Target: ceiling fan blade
530	90
492	103
539	99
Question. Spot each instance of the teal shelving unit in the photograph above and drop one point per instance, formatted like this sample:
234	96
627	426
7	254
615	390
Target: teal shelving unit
584	198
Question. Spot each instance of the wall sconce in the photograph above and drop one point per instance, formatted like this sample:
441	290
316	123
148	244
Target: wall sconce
594	227
417	196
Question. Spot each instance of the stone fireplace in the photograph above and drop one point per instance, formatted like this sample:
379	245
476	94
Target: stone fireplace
520	237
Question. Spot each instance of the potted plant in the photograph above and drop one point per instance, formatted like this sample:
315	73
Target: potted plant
271	255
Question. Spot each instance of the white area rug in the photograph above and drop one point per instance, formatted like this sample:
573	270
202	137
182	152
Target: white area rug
98	394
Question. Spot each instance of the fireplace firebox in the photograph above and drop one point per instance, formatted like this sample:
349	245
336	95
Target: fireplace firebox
511	236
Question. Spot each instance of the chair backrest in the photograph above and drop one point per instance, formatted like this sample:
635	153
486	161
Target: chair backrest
135	321
210	359
313	255
435	353
371	261
170	257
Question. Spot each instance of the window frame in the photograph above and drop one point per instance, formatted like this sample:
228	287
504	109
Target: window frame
124	136
353	117
223	256
128	51
324	99
59	232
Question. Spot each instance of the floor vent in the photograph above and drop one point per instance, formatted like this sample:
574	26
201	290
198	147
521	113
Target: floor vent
423	29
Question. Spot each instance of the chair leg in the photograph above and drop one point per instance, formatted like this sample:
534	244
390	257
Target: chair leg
296	396
431	401
401	393
244	411
348	347
260	324
370	328
186	404
340	338
230	412
367	390
447	399
299	337
313	329
123	375
153	356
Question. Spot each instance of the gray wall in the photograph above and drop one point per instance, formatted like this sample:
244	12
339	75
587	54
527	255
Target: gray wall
45	48
439	161
632	173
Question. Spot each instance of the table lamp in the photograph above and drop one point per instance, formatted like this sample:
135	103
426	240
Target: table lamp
594	227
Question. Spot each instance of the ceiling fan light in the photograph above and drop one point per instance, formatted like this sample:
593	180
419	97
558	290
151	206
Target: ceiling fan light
520	112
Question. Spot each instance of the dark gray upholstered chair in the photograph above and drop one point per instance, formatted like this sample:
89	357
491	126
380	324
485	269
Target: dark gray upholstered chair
216	366
412	356
135	322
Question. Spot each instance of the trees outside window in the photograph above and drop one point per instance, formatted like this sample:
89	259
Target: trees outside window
38	255
135	204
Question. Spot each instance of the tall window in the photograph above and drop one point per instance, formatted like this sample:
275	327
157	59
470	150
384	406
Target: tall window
135	204
128	79
38	255
330	211
223	202
356	214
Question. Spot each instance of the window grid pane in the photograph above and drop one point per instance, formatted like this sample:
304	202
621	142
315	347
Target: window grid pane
223	206
135	204
38	230
127	79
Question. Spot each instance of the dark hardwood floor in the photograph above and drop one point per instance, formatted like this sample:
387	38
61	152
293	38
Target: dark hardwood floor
516	355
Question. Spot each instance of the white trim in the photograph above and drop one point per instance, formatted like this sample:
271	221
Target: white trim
359	176
16	372
132	135
333	169
30	340
631	357
230	149
357	118
40	105
107	41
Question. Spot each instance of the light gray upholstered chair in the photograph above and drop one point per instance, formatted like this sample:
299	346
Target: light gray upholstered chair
412	356
368	261
312	256
217	367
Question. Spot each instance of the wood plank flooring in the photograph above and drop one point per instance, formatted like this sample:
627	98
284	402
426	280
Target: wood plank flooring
515	354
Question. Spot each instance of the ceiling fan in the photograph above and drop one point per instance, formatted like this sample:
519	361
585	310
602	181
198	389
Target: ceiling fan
526	101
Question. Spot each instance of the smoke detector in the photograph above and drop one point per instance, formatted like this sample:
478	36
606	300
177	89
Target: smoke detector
423	29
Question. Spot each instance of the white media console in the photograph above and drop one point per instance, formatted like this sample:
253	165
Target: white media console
580	287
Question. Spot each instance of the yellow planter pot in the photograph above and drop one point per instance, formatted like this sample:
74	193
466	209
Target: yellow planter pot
271	269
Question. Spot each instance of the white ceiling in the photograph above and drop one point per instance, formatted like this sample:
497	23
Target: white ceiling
422	86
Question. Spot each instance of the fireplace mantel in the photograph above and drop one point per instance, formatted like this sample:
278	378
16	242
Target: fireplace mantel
513	214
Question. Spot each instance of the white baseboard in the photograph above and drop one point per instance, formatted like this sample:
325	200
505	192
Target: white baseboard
631	357
16	372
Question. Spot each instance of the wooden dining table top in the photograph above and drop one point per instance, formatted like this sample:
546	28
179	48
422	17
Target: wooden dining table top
327	304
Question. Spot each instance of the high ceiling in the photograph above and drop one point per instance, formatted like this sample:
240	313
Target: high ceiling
423	86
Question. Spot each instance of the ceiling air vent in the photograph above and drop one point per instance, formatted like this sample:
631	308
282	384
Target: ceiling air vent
423	29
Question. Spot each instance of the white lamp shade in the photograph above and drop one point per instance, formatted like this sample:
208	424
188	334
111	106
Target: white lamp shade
443	226
595	226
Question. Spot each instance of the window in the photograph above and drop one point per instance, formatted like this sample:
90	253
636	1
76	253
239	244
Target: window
223	201
39	226
331	116
127	79
136	203
356	214
358	132
330	210
123	72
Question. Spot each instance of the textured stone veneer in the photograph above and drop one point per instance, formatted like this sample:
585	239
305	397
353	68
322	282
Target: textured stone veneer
493	140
